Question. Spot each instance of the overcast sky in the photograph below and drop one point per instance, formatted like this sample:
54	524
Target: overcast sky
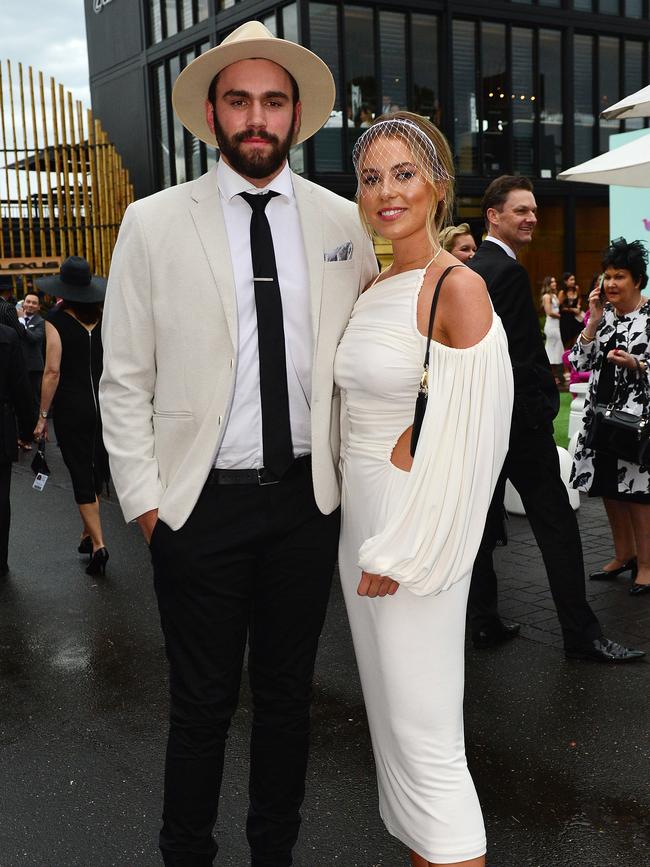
49	35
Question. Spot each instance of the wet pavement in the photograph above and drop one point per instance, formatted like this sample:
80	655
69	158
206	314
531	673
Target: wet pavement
559	750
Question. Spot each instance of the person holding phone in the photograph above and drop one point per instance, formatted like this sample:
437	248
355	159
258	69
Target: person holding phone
614	347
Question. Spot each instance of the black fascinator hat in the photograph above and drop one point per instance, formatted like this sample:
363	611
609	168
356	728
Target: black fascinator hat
632	257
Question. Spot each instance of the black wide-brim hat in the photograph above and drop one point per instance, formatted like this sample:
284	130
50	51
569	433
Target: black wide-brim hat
74	282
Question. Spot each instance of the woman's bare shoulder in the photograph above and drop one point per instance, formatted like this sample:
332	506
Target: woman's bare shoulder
465	310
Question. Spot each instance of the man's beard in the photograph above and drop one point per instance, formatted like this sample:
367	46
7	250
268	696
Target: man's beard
254	164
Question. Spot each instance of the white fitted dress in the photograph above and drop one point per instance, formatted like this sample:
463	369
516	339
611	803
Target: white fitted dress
554	345
423	529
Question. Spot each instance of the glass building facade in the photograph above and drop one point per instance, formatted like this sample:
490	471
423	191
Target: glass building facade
516	85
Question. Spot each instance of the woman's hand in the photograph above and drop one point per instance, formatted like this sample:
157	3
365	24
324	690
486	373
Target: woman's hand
376	585
621	359
40	431
595	307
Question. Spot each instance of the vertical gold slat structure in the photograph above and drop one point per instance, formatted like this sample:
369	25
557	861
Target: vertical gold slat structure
94	186
74	156
65	155
9	249
39	187
83	159
63	247
104	195
63	187
48	168
21	236
28	182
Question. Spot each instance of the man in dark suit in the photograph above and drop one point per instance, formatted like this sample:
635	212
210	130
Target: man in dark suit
32	344
532	464
15	405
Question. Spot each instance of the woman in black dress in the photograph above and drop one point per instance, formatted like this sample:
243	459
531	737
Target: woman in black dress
73	366
571	312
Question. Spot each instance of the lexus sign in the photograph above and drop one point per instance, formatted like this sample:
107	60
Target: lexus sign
98	5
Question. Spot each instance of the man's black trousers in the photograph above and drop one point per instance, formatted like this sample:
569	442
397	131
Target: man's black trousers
5	512
252	563
533	467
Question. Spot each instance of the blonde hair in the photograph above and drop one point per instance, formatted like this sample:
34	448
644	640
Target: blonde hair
448	235
442	199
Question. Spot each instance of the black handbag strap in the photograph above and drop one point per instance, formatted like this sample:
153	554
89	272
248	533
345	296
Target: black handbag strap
434	304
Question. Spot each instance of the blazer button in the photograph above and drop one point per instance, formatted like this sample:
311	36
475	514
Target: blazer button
232	363
219	419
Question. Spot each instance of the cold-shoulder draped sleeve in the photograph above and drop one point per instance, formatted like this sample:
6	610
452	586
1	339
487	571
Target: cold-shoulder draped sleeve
432	536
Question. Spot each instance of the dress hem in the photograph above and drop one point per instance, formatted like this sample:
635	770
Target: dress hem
436	857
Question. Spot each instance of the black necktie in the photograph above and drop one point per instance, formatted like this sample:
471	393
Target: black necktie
276	426
27	320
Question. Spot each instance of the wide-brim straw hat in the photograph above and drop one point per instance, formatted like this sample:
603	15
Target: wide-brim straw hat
254	41
74	282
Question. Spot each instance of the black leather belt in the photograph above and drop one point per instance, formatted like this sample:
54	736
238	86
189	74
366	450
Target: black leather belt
258	476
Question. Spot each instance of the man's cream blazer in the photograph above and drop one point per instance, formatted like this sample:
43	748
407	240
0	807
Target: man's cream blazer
170	341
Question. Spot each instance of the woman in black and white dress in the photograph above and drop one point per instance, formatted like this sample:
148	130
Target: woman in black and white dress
615	346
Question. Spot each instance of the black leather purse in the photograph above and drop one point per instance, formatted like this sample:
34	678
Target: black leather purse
423	390
39	464
618	433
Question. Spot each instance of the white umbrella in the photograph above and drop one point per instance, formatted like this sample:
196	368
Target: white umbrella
635	105
627	166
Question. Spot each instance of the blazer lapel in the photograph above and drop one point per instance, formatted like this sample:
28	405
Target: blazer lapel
311	223
207	214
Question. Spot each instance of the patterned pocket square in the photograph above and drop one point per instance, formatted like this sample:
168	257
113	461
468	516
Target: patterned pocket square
341	253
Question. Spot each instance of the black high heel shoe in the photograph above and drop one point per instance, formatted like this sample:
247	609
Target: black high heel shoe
603	575
98	562
86	545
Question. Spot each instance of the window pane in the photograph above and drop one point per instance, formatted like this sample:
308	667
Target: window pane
495	102
328	145
424	60
465	117
582	96
187	17
179	136
522	99
192	144
392	29
290	22
270	23
549	2
634	8
583	5
609	86
171	22
155	19
550	101
633	76
162	144
202	10
608	7
361	87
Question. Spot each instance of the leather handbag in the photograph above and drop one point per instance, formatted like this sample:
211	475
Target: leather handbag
423	389
39	464
620	434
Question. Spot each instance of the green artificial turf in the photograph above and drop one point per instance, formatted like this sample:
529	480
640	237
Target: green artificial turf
561	423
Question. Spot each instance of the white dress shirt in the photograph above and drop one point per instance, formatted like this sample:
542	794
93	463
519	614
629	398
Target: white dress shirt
501	244
241	447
